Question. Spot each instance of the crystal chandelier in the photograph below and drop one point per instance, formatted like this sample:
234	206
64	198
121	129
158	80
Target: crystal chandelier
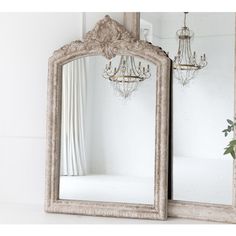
185	64
126	77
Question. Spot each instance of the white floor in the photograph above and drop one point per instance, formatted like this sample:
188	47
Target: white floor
194	179
109	188
203	180
34	214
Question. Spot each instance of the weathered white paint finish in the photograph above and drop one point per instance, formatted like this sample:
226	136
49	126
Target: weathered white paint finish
108	39
132	23
202	211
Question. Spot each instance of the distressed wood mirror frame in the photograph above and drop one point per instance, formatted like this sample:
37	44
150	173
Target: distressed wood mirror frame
108	39
207	211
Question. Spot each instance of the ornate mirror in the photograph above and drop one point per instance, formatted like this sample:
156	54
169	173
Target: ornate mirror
108	124
202	46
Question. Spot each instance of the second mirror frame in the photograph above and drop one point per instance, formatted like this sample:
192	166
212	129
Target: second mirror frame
208	211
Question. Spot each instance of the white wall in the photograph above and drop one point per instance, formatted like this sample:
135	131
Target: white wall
27	41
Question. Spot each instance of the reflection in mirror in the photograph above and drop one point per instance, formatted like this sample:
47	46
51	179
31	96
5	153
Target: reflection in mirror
201	173
107	140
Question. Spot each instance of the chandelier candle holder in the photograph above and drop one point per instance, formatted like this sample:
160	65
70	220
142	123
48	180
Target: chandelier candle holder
185	64
126	78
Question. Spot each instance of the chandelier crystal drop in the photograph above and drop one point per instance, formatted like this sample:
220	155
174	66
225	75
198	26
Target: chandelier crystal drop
126	78
185	64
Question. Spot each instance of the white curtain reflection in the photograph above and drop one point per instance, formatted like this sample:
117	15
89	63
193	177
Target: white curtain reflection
73	152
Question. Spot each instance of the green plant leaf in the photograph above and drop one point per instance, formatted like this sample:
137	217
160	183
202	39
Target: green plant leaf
228	150
232	143
233	154
230	121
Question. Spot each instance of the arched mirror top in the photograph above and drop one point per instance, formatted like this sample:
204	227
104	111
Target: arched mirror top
109	38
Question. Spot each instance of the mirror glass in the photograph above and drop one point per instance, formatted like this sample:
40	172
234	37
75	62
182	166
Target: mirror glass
200	107
108	130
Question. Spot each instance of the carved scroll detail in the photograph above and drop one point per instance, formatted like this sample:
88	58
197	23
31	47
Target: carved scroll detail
105	38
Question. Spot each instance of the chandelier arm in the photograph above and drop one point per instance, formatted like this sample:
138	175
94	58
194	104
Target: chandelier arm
106	74
136	72
186	52
189	52
181	51
127	59
119	66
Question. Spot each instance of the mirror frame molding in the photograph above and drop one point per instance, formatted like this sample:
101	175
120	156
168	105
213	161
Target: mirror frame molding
108	39
208	211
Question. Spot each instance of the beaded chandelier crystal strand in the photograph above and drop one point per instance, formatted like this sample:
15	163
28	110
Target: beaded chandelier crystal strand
185	64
